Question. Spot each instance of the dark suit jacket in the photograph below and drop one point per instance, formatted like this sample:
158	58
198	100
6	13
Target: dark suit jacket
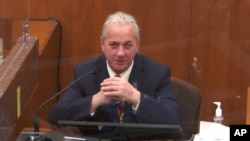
150	77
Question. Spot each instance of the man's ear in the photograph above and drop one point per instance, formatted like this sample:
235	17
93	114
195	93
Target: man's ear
138	46
102	43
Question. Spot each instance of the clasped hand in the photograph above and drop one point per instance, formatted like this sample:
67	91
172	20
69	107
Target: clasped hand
118	89
115	89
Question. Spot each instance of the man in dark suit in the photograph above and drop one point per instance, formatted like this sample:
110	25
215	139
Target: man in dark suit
142	87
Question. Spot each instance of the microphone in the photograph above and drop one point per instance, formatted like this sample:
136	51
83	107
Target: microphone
36	117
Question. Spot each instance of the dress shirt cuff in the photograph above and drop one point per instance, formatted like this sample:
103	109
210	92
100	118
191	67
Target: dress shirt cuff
92	114
136	107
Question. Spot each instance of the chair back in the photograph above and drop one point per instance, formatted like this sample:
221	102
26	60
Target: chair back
189	99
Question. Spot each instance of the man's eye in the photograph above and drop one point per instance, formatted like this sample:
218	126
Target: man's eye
113	45
128	46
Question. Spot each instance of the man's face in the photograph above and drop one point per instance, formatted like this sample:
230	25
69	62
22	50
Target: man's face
120	46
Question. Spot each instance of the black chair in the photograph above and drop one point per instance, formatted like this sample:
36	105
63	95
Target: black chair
189	99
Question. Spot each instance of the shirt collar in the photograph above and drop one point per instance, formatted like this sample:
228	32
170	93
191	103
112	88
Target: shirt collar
124	75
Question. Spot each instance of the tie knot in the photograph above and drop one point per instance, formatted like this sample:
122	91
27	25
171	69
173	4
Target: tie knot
117	75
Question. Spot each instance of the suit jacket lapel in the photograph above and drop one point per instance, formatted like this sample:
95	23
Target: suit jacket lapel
102	67
137	74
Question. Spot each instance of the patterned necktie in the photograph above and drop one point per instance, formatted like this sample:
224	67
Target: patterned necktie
120	107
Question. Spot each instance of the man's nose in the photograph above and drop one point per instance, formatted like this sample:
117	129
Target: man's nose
120	50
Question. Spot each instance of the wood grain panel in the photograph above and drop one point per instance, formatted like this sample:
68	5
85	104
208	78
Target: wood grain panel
165	30
216	32
248	106
14	9
217	40
172	32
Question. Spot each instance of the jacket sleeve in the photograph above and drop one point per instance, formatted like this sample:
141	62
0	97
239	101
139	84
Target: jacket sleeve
75	103
157	104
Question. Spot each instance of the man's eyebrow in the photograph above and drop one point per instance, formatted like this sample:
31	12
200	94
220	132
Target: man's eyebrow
128	42
113	42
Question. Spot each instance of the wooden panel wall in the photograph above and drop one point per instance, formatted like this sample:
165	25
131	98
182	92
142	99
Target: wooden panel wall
165	29
173	32
220	40
9	8
248	106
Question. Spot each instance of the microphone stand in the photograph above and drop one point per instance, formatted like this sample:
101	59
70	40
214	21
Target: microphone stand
37	136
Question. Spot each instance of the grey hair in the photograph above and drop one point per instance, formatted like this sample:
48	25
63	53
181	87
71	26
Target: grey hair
121	18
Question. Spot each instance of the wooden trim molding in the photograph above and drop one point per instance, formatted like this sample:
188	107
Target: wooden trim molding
248	106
